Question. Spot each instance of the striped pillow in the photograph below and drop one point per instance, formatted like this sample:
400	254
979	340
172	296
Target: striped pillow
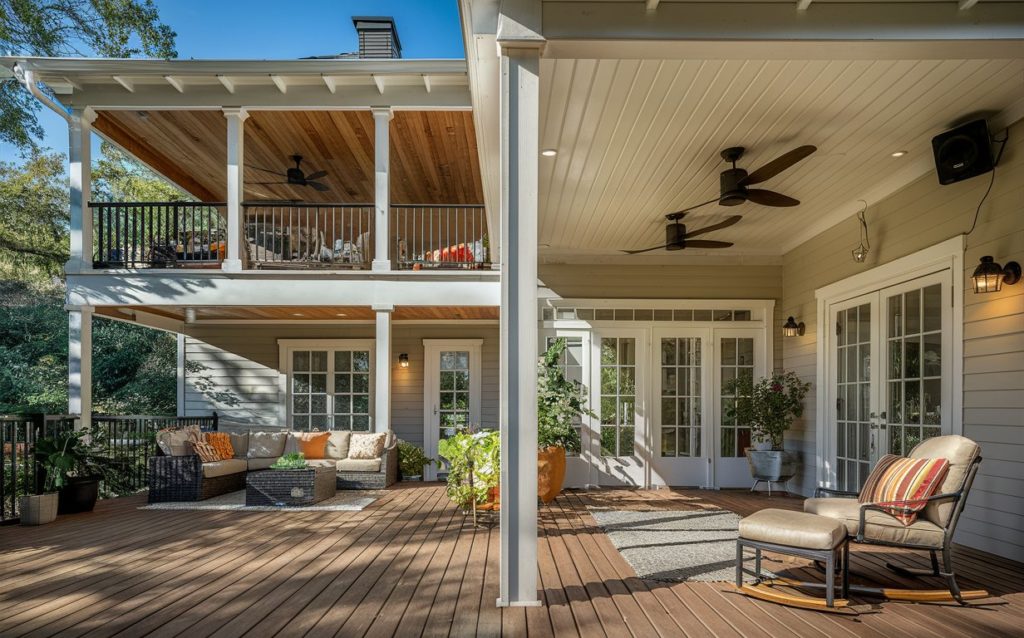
867	492
906	483
206	452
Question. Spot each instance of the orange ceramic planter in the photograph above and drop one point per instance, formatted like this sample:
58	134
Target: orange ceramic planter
550	472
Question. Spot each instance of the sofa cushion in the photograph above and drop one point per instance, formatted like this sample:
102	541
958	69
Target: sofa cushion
880	526
337	444
223	468
366	445
311	445
239	443
261	463
174	442
263	445
358	465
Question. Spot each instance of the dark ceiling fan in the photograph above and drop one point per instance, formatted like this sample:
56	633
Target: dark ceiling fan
295	176
734	182
676	237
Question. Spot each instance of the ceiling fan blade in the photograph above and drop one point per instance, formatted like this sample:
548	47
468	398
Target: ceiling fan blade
645	250
770	198
777	165
264	183
679	213
265	170
316	175
707	243
722	224
318	186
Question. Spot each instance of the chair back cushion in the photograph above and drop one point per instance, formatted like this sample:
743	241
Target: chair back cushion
960	452
239	443
337	444
264	445
908	483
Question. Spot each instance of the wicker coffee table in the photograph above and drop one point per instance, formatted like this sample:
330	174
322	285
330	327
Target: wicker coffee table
290	488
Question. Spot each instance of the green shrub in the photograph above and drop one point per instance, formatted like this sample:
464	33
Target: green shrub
411	459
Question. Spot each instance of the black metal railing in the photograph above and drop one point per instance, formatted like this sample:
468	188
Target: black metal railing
309	235
124	442
439	237
158	234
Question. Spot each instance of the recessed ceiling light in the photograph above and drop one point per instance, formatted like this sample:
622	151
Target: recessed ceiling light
298	314
899	153
549	152
341	314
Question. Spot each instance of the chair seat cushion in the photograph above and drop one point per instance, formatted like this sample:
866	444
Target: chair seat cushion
223	468
358	465
880	525
793	529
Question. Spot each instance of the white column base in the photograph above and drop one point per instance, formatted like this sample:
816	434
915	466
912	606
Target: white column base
231	265
381	264
519	603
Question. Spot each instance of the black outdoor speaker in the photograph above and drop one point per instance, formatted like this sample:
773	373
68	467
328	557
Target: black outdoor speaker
963	152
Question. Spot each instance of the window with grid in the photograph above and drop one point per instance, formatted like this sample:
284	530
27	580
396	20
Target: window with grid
571	364
737	361
680	397
330	389
618	396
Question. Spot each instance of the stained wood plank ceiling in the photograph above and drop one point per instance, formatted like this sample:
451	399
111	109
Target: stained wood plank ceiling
433	153
311	313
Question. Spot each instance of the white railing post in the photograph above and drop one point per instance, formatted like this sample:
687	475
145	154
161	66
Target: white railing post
80	181
236	187
382	191
520	49
382	369
80	364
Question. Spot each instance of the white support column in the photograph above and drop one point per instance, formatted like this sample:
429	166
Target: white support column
382	369
382	196
520	113
80	363
80	179
236	187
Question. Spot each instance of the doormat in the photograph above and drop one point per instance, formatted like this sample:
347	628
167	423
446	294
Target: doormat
347	501
675	546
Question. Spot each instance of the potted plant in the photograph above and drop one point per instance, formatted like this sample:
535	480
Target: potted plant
54	460
411	461
769	407
290	461
559	402
474	464
73	456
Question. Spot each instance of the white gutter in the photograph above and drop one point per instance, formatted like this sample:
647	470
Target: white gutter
28	78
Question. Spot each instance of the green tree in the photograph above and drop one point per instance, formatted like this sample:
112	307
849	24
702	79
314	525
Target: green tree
33	217
118	177
53	28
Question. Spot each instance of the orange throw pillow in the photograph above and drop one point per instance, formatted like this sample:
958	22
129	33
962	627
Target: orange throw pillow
313	445
221	443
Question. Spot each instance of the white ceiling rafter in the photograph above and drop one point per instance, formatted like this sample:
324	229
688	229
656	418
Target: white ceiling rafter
967	4
379	81
332	86
426	82
125	82
227	82
652	5
178	85
279	82
802	5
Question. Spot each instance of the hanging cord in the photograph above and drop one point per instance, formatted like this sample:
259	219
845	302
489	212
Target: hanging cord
991	180
864	225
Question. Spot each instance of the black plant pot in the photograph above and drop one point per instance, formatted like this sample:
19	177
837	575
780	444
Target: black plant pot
79	495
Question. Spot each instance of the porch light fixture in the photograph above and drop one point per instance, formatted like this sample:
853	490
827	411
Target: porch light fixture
899	153
793	329
860	253
190	315
989	276
403	360
549	152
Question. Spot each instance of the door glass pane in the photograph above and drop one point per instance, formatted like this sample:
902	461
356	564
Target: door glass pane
680	396
737	362
853	392
351	391
618	396
453	399
309	395
914	388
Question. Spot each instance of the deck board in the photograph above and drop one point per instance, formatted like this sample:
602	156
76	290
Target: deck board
411	564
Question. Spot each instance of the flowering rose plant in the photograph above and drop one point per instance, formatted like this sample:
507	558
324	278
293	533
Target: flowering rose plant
768	406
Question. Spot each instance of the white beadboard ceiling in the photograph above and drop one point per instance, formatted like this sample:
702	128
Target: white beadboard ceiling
639	138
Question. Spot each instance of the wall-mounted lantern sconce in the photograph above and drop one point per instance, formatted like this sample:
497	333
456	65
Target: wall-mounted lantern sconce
990	276
190	315
403	360
793	329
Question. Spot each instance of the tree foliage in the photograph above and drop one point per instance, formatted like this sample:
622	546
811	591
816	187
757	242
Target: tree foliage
53	28
117	177
33	217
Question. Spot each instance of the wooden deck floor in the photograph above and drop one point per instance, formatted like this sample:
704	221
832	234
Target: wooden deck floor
411	565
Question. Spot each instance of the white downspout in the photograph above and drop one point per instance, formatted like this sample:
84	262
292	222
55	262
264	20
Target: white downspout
28	78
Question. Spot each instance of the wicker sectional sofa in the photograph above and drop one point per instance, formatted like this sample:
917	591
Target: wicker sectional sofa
184	477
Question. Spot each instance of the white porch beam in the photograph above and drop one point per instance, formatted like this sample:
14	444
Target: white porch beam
227	83
382	197
331	84
520	43
236	187
382	368
80	363
178	85
279	82
964	5
80	181
802	5
125	82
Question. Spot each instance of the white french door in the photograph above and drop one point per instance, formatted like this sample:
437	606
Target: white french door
618	382
681	411
451	392
890	371
738	353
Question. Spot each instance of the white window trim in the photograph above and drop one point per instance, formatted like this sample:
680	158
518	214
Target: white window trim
475	348
285	349
945	255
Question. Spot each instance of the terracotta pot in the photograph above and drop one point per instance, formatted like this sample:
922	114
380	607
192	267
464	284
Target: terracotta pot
493	503
550	472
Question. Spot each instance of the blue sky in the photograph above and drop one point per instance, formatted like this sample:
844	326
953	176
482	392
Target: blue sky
283	29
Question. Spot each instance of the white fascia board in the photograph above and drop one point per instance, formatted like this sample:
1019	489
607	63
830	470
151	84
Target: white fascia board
159	68
221	289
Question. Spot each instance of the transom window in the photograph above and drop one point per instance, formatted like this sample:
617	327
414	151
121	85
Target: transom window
330	388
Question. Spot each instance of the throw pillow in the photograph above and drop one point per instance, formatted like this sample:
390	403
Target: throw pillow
206	452
312	445
366	446
173	442
867	492
221	442
907	483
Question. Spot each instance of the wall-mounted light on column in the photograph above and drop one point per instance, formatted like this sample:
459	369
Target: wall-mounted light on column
403	360
190	315
989	276
793	329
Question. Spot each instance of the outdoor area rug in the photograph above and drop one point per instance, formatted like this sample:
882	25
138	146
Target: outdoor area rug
346	501
675	546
